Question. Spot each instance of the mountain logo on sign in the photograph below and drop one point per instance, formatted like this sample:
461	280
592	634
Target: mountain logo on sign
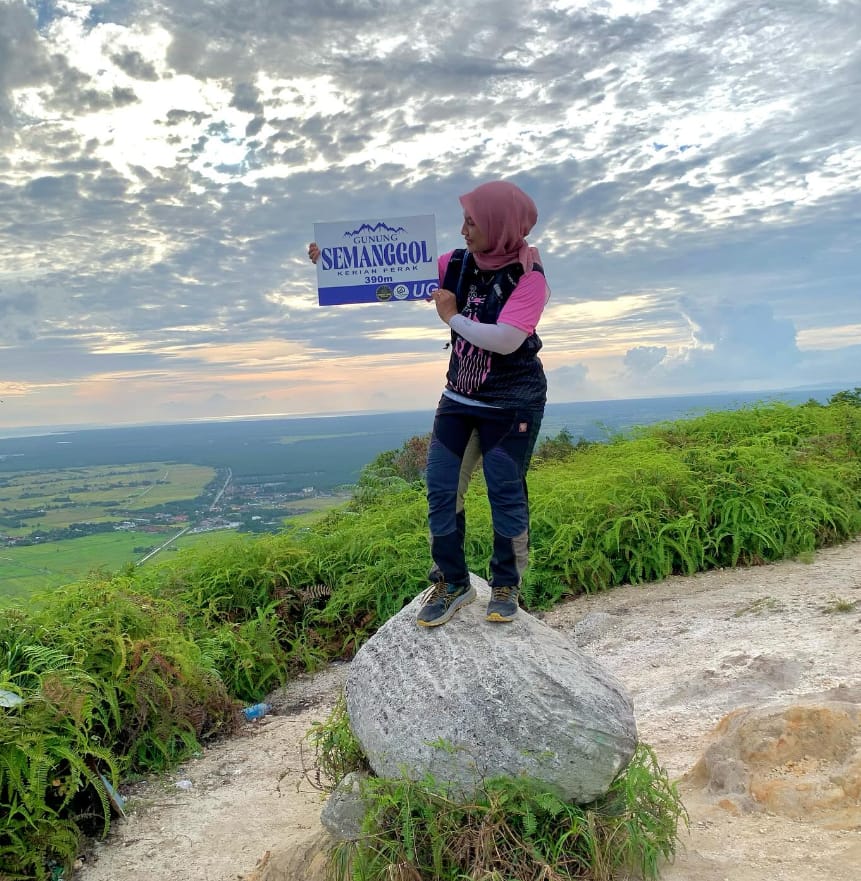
372	229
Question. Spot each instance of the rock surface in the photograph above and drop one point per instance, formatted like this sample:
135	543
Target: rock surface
793	759
344	809
472	700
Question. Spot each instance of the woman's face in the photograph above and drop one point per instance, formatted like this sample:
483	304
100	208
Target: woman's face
476	240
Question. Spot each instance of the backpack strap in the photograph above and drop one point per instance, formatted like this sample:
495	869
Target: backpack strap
454	274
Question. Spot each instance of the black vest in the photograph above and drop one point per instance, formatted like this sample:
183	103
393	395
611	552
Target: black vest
510	381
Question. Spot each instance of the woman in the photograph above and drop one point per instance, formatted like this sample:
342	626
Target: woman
491	295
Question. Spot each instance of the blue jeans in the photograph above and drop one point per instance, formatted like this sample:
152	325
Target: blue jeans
506	439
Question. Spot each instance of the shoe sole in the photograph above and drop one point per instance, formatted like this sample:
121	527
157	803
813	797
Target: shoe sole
465	600
499	618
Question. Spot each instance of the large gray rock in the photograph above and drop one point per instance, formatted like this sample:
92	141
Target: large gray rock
472	700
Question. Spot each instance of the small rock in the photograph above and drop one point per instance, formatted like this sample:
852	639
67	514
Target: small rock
344	810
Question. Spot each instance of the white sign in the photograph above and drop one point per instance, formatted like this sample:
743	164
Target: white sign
376	261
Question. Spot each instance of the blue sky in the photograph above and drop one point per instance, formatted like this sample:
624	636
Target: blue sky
696	166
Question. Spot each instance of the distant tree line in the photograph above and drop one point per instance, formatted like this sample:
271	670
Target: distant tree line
73	530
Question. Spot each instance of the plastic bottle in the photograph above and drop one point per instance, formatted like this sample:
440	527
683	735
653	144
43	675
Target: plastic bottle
258	711
9	698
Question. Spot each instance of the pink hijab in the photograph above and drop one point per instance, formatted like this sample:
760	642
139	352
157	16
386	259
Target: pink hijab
505	214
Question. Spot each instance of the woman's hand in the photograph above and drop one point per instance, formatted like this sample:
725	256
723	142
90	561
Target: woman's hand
446	304
313	252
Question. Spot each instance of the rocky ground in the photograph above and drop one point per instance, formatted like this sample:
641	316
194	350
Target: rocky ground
690	650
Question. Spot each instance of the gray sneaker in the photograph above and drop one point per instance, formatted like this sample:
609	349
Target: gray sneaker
503	604
442	601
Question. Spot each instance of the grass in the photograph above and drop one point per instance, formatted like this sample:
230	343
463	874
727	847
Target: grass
516	829
759	606
304	513
201	541
26	571
839	606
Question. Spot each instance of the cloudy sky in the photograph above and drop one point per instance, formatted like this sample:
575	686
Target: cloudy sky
696	165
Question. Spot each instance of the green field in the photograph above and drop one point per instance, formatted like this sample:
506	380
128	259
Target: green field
28	571
25	571
55	499
312	508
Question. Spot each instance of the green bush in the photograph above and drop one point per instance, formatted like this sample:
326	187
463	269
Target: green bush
515	829
51	790
746	487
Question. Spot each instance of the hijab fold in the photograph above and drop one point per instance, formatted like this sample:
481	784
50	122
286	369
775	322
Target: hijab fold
505	214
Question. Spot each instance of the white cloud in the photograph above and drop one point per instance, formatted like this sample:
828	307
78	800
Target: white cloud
642	359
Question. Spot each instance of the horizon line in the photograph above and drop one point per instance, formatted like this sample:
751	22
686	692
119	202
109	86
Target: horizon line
44	430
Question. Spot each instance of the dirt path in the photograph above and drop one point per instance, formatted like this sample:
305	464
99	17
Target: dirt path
689	650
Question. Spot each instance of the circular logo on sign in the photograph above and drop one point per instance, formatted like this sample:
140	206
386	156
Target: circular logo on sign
384	292
401	292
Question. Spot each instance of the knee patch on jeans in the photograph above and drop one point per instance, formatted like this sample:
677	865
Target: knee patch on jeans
520	544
